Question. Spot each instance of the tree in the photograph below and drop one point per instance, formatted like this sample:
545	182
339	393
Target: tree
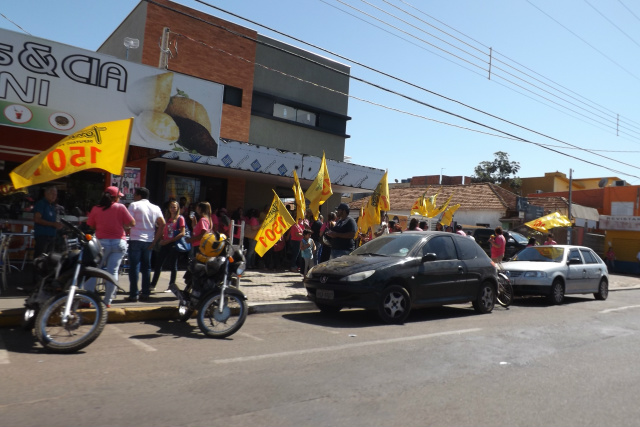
499	172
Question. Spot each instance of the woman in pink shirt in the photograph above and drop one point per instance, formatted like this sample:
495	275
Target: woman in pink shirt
498	245
173	231
110	218
200	226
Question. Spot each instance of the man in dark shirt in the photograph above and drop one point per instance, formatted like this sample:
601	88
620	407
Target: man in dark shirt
45	221
342	233
315	225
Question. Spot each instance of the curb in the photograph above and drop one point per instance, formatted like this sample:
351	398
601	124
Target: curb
12	317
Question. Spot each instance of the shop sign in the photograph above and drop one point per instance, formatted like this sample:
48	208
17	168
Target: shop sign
630	223
52	87
127	183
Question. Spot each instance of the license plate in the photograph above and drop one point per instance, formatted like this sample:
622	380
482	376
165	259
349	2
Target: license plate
324	294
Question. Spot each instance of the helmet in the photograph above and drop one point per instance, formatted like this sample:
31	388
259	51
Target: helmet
212	244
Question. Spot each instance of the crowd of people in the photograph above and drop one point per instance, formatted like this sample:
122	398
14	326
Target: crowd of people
164	236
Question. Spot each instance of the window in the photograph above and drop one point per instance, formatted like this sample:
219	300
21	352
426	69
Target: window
442	246
305	117
468	249
575	254
588	256
232	96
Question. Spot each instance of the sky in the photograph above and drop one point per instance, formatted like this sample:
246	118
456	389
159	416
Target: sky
440	86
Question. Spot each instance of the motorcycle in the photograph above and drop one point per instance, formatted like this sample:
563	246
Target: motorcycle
65	317
211	290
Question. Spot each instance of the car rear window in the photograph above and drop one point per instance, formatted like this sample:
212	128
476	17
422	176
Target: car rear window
540	254
468	249
442	246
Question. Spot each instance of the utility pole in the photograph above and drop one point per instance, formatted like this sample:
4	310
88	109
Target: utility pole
164	49
569	211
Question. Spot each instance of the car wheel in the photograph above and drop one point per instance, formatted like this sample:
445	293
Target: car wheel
395	305
556	296
603	290
324	308
486	299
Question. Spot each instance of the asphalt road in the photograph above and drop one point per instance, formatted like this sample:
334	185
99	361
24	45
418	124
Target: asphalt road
534	364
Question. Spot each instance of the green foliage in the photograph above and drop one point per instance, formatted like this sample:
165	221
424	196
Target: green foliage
500	171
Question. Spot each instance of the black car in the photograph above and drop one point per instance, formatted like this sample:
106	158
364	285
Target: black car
515	241
397	272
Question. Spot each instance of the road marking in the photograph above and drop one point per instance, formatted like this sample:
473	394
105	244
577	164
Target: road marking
619	308
134	341
253	337
4	354
343	347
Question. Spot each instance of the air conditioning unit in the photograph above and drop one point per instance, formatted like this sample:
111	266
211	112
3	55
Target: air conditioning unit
619	183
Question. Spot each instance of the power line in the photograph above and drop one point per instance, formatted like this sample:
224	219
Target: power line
584	41
403	95
630	11
1	14
612	23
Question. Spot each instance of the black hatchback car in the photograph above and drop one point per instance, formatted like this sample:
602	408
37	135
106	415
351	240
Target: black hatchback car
397	272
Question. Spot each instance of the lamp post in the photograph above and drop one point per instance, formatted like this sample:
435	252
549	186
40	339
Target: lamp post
441	169
131	43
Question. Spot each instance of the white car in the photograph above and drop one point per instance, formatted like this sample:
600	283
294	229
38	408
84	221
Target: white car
556	271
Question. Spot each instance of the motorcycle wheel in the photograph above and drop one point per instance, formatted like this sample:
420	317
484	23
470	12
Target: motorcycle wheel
216	324
87	319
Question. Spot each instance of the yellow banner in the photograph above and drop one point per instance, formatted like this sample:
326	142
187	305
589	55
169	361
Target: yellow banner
320	189
447	217
299	196
548	222
275	224
99	146
438	211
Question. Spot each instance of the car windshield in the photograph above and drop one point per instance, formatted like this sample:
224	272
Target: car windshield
393	245
540	254
519	238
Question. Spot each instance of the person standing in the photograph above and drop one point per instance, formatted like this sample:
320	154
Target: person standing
251	228
610	259
45	222
325	248
200	226
142	237
173	231
315	225
295	236
498	245
307	247
110	219
343	233
550	240
460	231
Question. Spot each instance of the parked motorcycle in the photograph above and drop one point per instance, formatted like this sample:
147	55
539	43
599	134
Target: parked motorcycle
212	280
66	318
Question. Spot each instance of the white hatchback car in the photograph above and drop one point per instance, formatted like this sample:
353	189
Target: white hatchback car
556	271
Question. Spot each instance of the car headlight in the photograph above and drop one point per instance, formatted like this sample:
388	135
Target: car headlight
358	277
536	274
310	273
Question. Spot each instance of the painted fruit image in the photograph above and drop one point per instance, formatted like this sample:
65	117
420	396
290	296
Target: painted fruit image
157	128
151	93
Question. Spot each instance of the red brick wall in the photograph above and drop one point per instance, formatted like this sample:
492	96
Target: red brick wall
200	55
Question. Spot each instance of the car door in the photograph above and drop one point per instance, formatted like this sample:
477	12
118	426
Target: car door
594	267
438	281
577	272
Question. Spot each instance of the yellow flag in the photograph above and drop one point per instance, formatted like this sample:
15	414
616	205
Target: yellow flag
320	189
372	213
439	210
299	196
362	221
384	203
99	146
548	222
275	224
447	217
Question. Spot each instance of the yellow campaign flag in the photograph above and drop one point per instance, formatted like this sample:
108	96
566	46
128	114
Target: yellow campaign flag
548	222
382	193
447	216
275	224
299	196
362	222
438	211
320	189
372	213
430	206
418	205
99	146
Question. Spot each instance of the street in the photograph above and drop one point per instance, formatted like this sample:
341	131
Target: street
534	364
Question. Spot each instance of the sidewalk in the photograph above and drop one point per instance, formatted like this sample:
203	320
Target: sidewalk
266	292
280	291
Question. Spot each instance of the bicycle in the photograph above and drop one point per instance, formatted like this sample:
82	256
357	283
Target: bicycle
505	290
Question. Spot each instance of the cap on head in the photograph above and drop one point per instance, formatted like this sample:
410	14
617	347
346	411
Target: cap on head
343	206
114	192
